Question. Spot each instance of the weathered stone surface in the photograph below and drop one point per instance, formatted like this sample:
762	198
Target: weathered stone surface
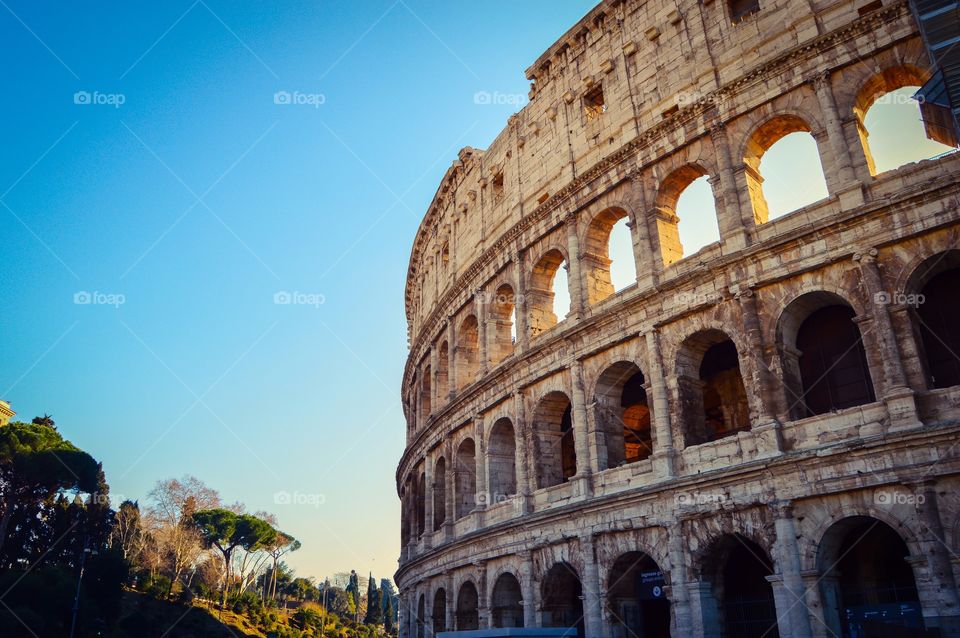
514	462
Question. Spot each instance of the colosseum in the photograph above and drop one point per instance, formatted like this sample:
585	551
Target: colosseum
753	437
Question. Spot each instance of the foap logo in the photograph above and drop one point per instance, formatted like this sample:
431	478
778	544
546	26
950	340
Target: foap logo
498	298
892	498
298	498
912	300
486	98
97	298
692	298
297	298
492	499
296	98
687	98
96	98
896	97
689	499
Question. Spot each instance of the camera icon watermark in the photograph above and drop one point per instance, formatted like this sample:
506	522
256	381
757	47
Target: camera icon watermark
96	98
298	498
296	98
97	298
297	298
688	298
891	498
912	300
691	499
486	298
492	499
496	98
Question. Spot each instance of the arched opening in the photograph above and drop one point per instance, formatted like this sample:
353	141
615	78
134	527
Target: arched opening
623	416
443	380
607	262
890	121
421	504
404	514
635	595
506	608
713	397
421	617
548	296
439	493
868	587
686	214
465	475
935	288
553	440
825	363
562	598
502	453
468	352
425	394
468	616
783	168
439	611
737	569
501	328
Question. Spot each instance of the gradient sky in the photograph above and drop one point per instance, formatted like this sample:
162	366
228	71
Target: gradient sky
198	199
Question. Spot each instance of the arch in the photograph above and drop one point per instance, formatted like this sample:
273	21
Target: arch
712	393
425	395
931	293
465	478
502	317
900	121
467	353
443	379
438	615
562	596
502	461
468	614
404	513
864	573
791	133
421	504
636	598
824	361
702	225
439	493
541	293
736	570
421	616
623	415
506	608
608	229
554	451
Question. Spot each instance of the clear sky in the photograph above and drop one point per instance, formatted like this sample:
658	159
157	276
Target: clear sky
170	168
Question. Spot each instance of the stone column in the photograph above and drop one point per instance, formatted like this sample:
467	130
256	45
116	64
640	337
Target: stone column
792	611
644	252
581	443
520	293
529	590
664	456
767	429
526	476
679	596
451	361
403	620
735	225
940	591
428	503
450	499
483	604
482	496
898	397
434	375
480	307
574	278
451	601
592	620
840	168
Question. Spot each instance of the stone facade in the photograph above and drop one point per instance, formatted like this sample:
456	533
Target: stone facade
760	437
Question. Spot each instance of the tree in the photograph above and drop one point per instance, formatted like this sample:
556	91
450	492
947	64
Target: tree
284	543
127	533
226	531
36	462
388	613
374	614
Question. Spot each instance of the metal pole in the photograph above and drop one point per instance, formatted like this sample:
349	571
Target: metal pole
76	598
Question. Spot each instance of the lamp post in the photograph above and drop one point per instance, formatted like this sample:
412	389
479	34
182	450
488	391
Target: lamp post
76	598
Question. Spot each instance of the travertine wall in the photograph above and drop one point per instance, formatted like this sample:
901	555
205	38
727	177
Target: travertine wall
686	92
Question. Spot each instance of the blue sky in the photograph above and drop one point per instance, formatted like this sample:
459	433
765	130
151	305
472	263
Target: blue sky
148	169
